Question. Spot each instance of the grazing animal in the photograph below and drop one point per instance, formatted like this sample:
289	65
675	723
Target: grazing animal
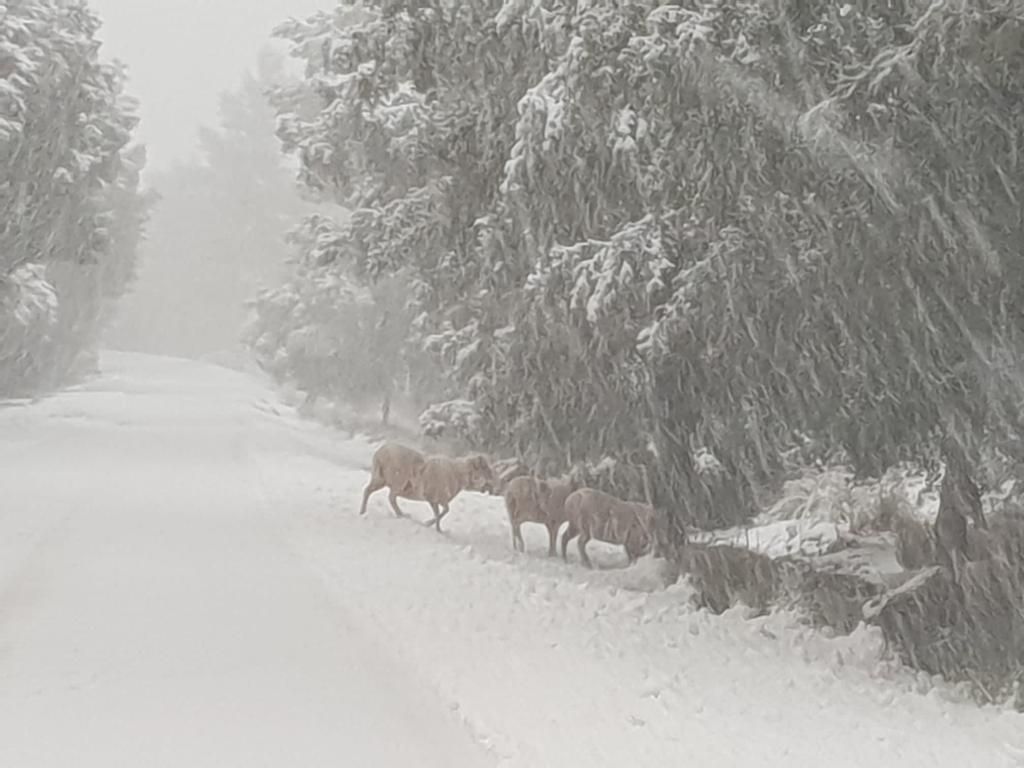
394	467
530	500
507	470
593	514
408	474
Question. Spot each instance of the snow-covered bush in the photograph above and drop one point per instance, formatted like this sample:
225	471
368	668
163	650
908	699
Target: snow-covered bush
834	495
453	418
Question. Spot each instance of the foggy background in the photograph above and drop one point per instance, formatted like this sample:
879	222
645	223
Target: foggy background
182	54
226	196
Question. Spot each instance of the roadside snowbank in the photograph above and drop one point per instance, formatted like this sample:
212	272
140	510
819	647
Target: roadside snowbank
553	665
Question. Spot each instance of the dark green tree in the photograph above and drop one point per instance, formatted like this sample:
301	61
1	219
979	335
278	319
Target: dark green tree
642	228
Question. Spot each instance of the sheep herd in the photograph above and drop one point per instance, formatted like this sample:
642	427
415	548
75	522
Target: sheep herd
587	513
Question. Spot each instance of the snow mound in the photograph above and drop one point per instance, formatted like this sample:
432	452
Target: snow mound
807	537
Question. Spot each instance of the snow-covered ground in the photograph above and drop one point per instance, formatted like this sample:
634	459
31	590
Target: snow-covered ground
184	580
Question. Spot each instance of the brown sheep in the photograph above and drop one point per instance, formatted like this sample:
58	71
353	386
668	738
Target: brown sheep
593	514
441	479
437	480
394	467
530	500
507	470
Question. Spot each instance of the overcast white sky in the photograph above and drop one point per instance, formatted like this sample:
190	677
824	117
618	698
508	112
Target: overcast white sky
183	53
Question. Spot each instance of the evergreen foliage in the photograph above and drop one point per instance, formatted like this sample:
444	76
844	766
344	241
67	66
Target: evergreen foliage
635	229
71	207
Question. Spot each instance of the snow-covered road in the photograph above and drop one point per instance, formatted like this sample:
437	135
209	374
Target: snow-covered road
184	581
150	614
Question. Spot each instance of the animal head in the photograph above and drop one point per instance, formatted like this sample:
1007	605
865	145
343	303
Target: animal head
507	471
639	531
639	541
481	474
576	477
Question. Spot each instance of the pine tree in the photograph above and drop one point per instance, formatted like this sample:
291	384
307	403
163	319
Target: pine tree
640	229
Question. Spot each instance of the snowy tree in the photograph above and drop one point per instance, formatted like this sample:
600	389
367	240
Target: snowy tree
325	330
403	155
638	228
71	210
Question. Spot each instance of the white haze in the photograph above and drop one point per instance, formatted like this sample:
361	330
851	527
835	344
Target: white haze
202	259
182	54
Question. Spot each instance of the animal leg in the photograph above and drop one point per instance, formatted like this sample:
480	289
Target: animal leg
444	511
393	498
582	545
440	510
517	538
552	539
372	487
569	535
432	521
